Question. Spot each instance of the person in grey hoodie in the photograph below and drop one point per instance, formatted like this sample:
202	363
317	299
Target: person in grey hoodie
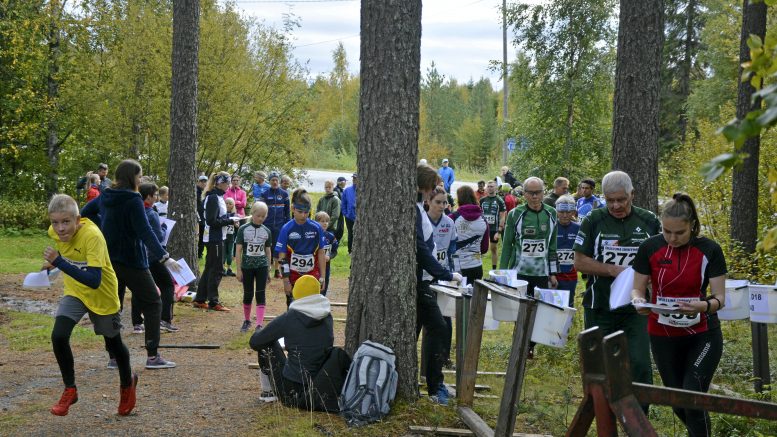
313	374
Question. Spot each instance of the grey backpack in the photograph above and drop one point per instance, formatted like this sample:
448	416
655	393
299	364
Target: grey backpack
370	386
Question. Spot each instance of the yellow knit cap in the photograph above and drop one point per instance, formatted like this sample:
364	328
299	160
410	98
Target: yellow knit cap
305	286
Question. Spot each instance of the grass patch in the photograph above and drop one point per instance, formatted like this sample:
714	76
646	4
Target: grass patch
10	422
23	252
26	332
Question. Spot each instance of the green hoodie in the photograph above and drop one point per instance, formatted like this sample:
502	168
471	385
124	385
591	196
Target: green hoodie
330	204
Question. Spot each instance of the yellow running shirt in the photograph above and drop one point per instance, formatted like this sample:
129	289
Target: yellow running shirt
87	248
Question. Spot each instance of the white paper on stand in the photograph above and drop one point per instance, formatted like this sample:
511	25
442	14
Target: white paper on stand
184	275
38	279
553	296
620	290
167	228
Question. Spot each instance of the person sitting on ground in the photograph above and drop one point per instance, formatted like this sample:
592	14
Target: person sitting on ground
312	376
90	288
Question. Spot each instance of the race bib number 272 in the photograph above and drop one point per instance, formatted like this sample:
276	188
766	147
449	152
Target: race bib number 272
618	255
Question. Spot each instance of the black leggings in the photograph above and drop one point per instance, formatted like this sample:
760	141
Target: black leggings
254	284
208	287
689	362
60	341
428	316
144	296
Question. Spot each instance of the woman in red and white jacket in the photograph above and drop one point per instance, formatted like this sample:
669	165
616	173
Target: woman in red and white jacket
687	275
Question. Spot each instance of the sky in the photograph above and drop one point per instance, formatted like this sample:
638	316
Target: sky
459	36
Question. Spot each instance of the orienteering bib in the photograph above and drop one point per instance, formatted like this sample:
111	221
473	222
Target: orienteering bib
677	320
490	219
566	257
328	250
230	230
533	248
442	256
302	263
254	249
618	255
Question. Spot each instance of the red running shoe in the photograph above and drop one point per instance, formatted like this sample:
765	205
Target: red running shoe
69	397
200	305
127	399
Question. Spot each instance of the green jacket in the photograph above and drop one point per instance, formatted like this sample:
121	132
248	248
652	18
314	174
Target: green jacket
529	243
331	205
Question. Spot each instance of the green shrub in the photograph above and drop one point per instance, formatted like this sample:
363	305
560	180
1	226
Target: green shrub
23	214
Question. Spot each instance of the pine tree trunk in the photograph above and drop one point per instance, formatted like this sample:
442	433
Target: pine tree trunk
382	302
744	202
53	144
181	171
635	127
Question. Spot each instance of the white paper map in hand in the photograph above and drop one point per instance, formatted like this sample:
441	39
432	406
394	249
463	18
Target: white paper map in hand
620	290
167	228
184	275
38	279
659	309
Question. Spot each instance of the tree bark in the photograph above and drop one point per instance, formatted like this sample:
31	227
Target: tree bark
744	202
53	145
382	301
635	129
181	170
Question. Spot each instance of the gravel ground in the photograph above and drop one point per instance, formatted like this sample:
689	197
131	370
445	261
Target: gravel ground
211	392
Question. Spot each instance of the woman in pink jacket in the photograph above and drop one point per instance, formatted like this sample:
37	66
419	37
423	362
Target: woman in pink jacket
237	194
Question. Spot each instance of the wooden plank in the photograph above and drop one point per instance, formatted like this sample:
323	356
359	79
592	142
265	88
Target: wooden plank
477	386
460	431
481	373
516	367
477	313
338	304
477	425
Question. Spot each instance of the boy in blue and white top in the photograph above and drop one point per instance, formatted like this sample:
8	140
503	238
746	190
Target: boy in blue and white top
300	245
322	218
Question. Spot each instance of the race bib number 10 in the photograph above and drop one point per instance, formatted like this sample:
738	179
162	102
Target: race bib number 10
618	255
302	263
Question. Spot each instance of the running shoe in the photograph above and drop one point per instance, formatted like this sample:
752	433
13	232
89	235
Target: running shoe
168	326
230	272
219	307
127	397
246	325
200	305
442	395
267	396
258	327
69	397
138	329
112	364
158	362
277	274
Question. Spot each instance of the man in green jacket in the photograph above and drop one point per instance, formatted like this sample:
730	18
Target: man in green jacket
330	204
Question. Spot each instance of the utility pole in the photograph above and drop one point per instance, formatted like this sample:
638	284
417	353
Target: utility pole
504	79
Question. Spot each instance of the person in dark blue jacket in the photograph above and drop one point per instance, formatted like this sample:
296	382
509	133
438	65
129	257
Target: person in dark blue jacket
348	210
429	315
128	235
278	213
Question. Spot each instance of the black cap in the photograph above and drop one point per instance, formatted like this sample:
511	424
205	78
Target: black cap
341	179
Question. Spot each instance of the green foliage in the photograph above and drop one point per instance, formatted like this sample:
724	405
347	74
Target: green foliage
23	214
561	85
22	250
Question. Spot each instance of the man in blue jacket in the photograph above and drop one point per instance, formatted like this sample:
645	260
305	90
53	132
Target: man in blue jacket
348	209
446	173
278	212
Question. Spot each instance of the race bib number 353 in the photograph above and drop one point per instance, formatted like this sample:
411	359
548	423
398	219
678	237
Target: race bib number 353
677	320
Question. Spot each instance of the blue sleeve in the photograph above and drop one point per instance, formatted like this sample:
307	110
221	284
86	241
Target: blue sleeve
153	220
286	208
92	211
335	246
283	236
452	178
321	236
89	276
424	256
143	229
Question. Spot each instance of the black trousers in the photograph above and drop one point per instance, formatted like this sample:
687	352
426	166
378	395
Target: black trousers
255	284
689	362
144	296
200	243
208	287
317	392
164	282
349	225
430	317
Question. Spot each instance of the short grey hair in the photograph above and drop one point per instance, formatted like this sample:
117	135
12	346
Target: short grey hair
260	174
534	179
566	198
616	181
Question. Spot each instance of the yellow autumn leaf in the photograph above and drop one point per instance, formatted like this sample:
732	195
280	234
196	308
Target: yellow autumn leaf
770	240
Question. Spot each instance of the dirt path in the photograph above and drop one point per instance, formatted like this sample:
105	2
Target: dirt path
211	392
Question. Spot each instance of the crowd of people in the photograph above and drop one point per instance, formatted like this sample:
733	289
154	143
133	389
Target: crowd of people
548	236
